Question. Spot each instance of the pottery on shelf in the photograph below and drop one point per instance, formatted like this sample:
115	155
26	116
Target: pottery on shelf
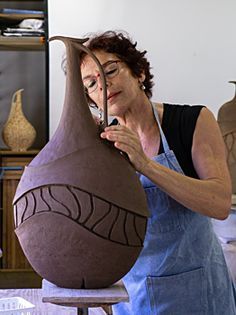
227	122
80	210
18	133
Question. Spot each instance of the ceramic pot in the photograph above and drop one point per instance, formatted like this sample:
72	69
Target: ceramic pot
18	133
80	210
227	122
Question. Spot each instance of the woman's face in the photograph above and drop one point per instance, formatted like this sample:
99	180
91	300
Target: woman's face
123	88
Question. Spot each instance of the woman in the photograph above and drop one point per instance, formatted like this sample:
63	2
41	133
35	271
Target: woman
179	153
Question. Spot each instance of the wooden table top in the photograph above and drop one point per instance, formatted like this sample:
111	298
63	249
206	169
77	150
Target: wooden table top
84	298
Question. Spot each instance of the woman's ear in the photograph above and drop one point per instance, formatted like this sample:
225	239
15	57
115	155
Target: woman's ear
141	80
142	77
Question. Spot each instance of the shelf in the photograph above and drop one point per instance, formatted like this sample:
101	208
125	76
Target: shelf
20	17
7	152
10	20
24	61
22	43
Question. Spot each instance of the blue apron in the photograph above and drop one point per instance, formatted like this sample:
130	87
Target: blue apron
181	269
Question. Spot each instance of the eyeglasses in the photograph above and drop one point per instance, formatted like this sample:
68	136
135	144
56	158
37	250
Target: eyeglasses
111	70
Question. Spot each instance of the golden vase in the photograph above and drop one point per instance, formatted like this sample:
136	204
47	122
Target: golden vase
18	133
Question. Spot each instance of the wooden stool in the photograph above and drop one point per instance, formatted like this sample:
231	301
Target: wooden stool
83	299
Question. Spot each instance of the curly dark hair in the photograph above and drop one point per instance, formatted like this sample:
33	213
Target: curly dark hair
122	46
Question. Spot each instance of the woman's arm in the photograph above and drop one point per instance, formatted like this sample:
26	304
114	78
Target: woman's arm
211	194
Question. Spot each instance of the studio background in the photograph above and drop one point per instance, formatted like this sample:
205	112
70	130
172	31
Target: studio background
191	45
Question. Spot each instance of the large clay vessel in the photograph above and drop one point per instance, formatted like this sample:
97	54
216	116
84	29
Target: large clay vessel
80	211
227	122
18	133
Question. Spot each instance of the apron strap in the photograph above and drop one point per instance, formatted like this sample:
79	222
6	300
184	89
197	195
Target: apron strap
163	137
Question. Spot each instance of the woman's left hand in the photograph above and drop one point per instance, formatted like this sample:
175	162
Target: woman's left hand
127	141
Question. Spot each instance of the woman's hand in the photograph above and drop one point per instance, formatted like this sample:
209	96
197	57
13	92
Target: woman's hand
127	141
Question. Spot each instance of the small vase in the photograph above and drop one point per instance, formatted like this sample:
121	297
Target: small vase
18	134
227	122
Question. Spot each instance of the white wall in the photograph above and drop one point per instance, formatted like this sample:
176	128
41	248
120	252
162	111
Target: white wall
191	44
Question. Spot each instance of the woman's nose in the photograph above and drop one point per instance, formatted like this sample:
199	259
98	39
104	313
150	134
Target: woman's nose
100	84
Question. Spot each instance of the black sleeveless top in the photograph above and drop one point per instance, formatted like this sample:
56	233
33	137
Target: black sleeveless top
178	124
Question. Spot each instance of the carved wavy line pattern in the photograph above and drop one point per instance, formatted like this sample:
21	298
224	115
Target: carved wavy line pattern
77	202
60	202
34	208
99	216
136	231
25	209
43	199
125	233
101	219
113	222
91	211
